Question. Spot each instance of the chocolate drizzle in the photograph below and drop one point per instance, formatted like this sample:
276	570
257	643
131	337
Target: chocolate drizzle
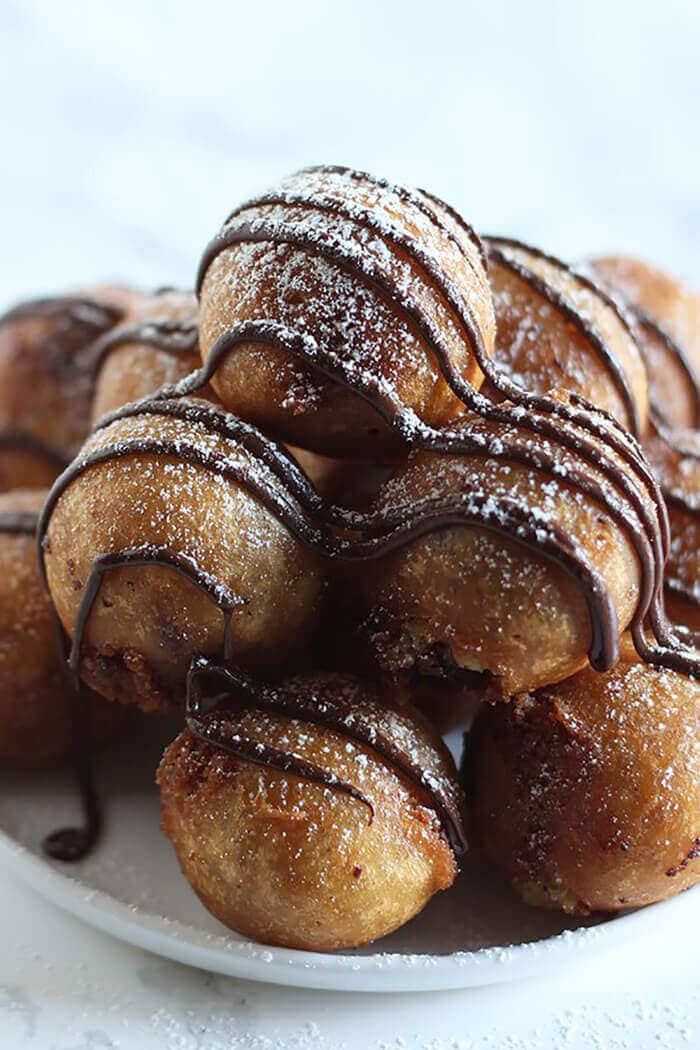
676	352
497	248
345	718
73	309
214	725
72	844
12	440
101	336
80	321
19	522
176	338
621	481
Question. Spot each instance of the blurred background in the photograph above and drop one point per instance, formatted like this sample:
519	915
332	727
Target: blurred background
131	129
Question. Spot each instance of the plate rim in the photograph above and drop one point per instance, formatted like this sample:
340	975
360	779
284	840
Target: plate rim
183	943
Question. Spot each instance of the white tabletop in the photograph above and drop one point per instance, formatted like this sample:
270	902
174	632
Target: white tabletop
129	131
64	986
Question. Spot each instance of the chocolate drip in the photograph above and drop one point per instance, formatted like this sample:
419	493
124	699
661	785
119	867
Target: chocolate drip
22	441
78	314
413	199
496	246
75	309
20	522
215	727
344	719
176	338
681	358
72	844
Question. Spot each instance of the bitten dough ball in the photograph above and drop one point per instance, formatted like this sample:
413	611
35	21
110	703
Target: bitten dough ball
36	700
285	270
147	622
465	599
587	794
290	861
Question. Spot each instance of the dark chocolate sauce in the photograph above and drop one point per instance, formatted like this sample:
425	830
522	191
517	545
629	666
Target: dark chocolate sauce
74	309
78	322
19	522
675	351
72	844
344	718
214	724
176	338
498	253
22	441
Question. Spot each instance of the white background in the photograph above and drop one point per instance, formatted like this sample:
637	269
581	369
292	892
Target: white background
129	130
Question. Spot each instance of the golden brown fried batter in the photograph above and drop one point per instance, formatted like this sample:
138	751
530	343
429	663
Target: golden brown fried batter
134	369
557	330
587	793
36	723
673	305
462	598
287	860
46	381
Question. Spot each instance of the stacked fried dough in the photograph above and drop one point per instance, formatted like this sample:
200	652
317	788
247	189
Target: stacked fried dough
376	475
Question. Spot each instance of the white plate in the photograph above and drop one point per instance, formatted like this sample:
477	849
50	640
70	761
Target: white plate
475	934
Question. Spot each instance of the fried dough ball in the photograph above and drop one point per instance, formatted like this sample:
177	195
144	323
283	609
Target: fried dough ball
164	349
676	461
36	700
340	260
587	794
667	300
288	860
148	621
46	383
472	605
556	329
